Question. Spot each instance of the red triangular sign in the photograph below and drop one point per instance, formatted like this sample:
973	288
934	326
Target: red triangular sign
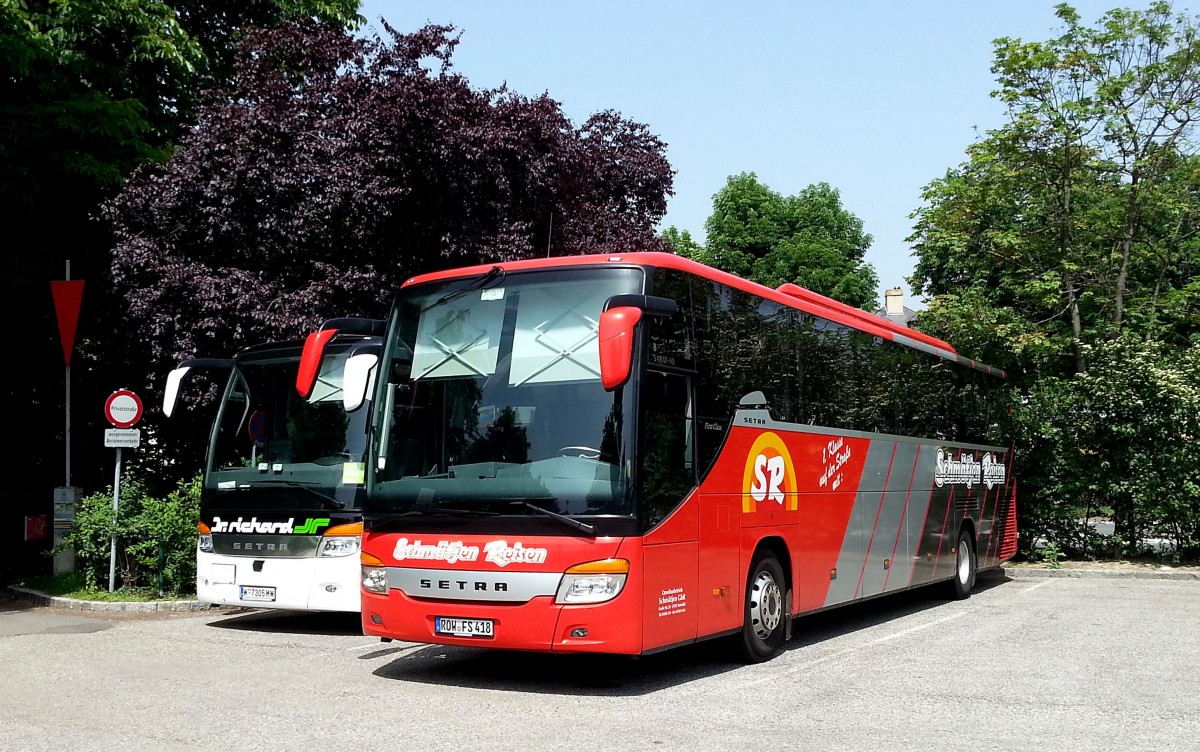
68	294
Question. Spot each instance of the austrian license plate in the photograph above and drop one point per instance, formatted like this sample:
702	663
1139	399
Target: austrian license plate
445	625
257	593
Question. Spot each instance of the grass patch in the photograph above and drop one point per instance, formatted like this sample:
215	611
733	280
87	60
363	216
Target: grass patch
72	585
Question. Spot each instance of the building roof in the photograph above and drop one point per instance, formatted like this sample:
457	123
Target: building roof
902	319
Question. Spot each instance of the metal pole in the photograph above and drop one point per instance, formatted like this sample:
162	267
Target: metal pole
112	559
67	435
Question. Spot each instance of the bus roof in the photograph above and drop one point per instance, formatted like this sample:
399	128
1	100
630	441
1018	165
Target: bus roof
787	294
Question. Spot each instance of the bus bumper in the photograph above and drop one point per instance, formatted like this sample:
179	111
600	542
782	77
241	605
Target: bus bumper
329	584
538	625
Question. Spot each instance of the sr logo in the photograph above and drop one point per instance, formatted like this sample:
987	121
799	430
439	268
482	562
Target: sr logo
769	475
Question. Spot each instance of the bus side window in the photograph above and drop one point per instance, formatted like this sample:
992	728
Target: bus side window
667	473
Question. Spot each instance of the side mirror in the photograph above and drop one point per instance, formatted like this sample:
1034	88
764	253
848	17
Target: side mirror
171	392
310	360
175	378
356	379
616	344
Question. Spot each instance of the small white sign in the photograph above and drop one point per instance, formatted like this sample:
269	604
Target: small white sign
122	438
66	494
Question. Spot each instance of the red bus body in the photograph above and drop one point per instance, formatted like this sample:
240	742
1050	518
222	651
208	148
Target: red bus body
848	514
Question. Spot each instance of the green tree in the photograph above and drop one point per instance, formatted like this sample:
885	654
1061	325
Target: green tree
338	166
90	90
1116	441
1065	251
1078	215
808	239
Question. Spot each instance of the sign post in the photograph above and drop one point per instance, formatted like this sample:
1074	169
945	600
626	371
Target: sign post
123	409
68	295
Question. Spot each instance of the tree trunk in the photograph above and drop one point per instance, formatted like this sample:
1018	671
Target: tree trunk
1076	325
1122	279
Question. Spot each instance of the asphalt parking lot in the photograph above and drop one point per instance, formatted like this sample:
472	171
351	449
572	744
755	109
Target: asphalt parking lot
1024	664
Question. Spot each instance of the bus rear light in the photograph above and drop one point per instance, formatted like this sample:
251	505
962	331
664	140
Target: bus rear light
593	582
204	543
374	575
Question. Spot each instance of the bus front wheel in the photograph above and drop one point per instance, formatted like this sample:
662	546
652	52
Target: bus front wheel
765	619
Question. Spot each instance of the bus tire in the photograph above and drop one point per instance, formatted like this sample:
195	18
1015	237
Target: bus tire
965	567
765	619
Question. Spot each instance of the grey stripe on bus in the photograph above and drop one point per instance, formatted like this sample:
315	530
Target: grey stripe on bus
866	503
888	526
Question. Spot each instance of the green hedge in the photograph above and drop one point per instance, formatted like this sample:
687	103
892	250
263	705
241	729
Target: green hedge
156	538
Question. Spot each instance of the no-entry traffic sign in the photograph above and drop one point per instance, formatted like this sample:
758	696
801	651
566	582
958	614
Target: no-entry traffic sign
123	408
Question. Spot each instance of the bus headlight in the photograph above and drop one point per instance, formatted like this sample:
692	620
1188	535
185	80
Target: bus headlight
593	582
204	543
374	575
341	540
340	546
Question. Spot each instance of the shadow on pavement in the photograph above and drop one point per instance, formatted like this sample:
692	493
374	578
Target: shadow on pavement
619	676
291	622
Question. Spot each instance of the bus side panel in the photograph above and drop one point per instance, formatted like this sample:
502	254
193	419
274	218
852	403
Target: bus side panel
670	605
936	538
916	512
670	600
852	558
830	472
720	568
824	473
883	533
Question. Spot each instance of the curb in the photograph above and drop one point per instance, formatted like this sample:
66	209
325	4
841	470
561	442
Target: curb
1112	574
145	607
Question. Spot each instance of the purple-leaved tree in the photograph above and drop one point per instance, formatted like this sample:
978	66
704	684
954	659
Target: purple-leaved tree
338	166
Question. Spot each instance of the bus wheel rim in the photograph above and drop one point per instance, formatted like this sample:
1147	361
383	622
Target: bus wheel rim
766	605
964	562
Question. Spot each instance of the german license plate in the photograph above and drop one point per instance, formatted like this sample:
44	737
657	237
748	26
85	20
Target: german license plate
445	625
257	593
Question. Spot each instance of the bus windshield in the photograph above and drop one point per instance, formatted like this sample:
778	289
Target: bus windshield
273	448
493	402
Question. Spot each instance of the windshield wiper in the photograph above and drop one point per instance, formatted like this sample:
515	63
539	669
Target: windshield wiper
424	510
329	503
478	283
582	527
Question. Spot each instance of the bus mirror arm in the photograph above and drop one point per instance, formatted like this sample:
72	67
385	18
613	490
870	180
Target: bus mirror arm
617	326
650	305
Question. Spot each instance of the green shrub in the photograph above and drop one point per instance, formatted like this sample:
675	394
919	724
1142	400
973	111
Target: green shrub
156	538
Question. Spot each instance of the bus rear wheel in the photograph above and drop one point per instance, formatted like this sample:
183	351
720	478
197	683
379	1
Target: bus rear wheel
765	619
964	567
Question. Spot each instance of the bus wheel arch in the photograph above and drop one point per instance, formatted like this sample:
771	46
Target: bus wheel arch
966	563
767	605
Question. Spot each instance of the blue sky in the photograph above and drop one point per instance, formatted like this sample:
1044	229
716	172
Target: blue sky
875	98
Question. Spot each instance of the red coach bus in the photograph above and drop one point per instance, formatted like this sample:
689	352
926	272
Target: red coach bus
623	454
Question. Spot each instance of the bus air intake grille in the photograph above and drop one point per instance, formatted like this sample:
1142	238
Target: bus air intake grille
1008	547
